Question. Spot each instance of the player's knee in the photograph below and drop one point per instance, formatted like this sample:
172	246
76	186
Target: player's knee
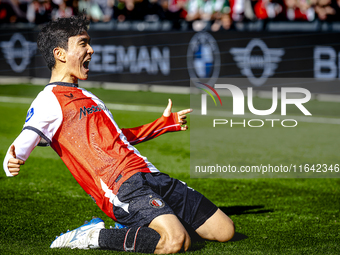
228	232
179	242
176	244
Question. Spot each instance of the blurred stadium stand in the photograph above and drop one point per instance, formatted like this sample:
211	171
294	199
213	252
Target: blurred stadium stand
164	15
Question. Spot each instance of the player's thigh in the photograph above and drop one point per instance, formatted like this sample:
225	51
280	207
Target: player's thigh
137	204
174	237
183	200
218	227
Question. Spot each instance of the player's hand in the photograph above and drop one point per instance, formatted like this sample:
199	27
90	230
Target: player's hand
14	163
181	115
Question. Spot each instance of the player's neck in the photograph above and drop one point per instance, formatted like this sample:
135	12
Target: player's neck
62	77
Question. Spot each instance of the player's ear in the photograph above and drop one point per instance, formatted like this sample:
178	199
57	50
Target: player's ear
59	54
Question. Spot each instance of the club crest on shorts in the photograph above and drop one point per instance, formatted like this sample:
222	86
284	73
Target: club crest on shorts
156	202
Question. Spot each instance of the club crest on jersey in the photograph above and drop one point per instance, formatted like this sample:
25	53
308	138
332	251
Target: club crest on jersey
156	202
29	114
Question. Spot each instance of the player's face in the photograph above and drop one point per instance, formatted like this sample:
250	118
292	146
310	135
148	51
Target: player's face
78	56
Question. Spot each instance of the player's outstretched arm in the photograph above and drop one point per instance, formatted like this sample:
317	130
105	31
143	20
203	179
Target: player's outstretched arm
14	164
181	115
169	122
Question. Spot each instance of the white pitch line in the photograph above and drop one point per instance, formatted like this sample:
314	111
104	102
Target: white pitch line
20	100
144	108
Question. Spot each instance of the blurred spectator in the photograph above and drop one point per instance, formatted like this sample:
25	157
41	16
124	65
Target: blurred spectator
7	14
300	10
336	6
193	9
56	3
328	10
125	10
62	11
175	11
39	11
267	9
74	5
200	10
154	12
221	16
92	10
200	14
242	10
140	9
106	7
237	9
12	11
176	5
203	13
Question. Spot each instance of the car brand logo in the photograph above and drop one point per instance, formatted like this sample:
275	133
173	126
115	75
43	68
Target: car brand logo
13	53
259	57
203	58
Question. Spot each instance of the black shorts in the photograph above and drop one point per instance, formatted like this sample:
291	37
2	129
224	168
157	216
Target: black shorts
149	195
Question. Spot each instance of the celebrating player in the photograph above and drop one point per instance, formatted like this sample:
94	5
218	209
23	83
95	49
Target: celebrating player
101	157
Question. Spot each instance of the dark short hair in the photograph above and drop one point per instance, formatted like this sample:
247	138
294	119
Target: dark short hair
56	34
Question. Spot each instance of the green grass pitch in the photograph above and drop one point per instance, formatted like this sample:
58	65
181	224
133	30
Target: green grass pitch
272	216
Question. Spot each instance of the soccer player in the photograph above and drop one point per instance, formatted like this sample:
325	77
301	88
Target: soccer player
101	157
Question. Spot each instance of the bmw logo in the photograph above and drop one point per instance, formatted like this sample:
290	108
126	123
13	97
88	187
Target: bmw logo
203	58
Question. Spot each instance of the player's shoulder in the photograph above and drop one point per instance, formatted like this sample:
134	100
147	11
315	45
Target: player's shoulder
44	107
87	93
45	98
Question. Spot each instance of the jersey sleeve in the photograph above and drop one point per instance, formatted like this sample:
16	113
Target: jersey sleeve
148	131
43	119
44	116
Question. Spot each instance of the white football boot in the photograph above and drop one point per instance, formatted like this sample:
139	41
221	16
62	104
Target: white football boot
84	237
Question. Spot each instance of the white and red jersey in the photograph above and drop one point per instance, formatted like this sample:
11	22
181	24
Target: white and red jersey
80	128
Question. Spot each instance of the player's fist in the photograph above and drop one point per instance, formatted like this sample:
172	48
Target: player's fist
14	163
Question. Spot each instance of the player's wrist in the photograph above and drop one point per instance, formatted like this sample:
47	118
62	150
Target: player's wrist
5	165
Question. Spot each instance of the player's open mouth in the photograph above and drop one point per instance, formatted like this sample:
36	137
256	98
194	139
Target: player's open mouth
86	64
